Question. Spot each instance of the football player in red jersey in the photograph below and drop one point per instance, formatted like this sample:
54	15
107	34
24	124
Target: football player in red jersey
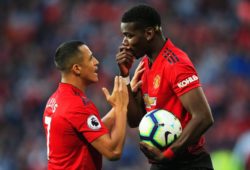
76	135
164	79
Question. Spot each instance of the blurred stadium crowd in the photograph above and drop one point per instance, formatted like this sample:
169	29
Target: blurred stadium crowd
215	34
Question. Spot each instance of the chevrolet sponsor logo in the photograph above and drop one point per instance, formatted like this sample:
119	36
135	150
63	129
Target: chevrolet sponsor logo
149	101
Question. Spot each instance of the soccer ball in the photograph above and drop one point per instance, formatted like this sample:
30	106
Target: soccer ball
159	128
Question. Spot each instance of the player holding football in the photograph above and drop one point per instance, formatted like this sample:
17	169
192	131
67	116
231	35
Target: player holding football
76	136
164	79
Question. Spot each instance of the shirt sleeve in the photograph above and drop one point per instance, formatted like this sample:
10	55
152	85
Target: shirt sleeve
86	120
183	78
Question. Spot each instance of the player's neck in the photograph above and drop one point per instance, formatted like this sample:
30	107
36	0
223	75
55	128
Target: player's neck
74	81
157	46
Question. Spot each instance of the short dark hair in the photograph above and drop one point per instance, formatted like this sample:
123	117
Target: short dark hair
142	14
67	54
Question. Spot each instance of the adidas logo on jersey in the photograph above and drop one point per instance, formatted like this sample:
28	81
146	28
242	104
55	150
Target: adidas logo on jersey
187	81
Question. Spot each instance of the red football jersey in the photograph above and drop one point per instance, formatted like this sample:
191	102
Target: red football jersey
71	122
171	75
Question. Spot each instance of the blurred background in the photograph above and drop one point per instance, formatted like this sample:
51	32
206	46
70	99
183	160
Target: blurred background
215	34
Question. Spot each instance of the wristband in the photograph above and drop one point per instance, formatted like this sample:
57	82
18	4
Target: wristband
126	79
169	153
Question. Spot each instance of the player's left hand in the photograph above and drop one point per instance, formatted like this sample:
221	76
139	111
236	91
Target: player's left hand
152	153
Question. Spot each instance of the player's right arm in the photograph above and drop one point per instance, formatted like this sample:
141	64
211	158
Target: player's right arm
136	109
111	145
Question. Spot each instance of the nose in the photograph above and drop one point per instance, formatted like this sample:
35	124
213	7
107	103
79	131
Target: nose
125	41
96	61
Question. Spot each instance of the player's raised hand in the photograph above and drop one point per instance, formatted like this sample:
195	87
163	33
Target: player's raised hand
119	96
111	97
136	82
123	92
125	59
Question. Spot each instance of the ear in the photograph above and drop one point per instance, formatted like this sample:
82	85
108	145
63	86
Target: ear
149	33
76	69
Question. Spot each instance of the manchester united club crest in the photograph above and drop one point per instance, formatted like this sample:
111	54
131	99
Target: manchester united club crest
157	81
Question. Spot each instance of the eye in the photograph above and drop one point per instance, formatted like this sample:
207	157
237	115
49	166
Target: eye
128	35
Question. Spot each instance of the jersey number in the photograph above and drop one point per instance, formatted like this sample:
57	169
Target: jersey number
47	122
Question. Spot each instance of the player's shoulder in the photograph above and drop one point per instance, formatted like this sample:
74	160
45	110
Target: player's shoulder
75	104
176	61
78	99
72	98
175	57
